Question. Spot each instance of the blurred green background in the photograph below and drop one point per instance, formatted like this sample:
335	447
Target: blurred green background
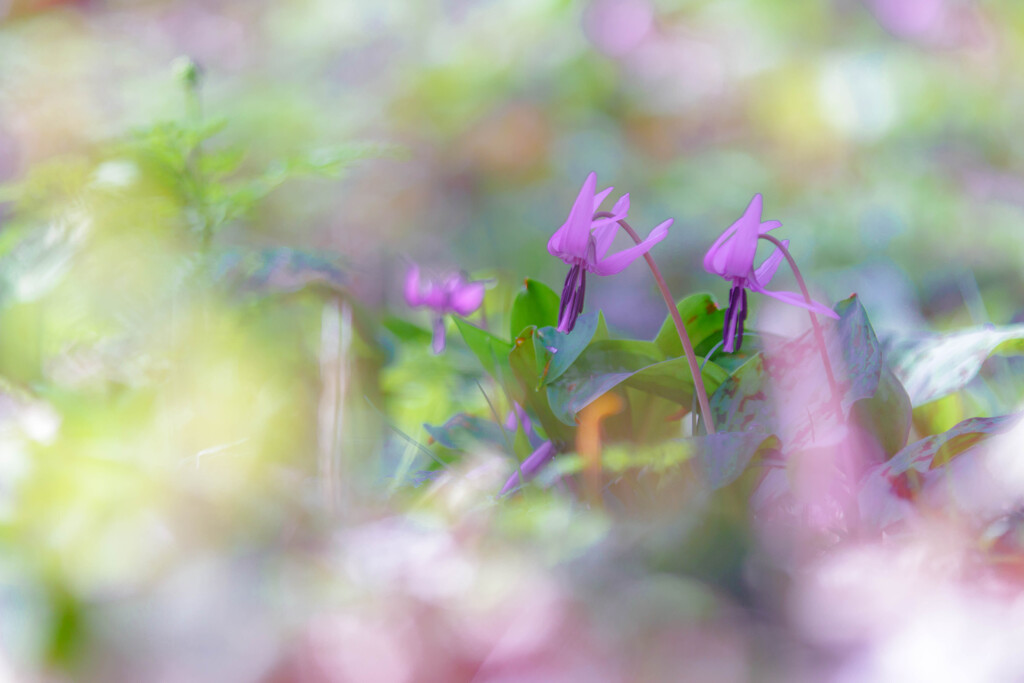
179	279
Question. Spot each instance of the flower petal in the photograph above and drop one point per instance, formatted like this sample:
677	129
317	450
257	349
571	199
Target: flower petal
736	258
795	299
466	297
570	240
530	466
439	335
600	197
621	207
768	225
766	271
412	286
618	262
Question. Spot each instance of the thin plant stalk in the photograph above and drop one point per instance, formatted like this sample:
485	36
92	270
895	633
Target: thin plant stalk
818	336
684	338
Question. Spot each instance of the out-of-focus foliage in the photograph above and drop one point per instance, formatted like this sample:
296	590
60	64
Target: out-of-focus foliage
227	452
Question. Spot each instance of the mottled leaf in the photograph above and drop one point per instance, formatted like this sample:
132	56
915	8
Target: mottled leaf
887	489
934	365
784	390
723	456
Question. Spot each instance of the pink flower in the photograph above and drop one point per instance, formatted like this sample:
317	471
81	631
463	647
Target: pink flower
583	243
732	257
453	295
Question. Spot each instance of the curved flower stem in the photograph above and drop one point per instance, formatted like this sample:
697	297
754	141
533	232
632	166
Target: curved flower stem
814	318
691	357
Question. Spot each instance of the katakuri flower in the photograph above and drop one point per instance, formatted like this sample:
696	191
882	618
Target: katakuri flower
452	295
583	242
732	257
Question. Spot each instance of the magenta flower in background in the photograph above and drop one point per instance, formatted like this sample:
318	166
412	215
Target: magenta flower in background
452	295
732	257
529	467
583	243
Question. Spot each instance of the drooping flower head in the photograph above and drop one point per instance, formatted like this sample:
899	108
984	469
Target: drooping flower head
583	242
451	295
732	257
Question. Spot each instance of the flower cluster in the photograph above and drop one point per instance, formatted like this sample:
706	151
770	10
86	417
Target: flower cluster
583	242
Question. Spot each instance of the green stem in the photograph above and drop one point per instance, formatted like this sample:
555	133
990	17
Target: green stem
691	356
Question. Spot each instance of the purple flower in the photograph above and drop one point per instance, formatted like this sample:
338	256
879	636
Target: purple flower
452	295
583	243
517	416
732	257
530	466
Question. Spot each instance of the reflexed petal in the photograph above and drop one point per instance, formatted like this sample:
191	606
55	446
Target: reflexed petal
621	207
766	271
768	225
530	466
466	297
604	235
412	286
617	262
795	299
600	197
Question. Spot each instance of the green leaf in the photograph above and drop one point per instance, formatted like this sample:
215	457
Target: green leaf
491	351
523	362
556	351
406	331
934	365
702	319
886	488
536	304
606	364
723	456
463	431
793	375
887	415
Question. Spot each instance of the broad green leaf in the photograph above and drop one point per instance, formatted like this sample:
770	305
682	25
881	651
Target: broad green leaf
886	488
491	351
463	431
406	331
556	351
887	415
702	319
792	379
939	449
606	364
934	365
536	304
523	362
723	456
